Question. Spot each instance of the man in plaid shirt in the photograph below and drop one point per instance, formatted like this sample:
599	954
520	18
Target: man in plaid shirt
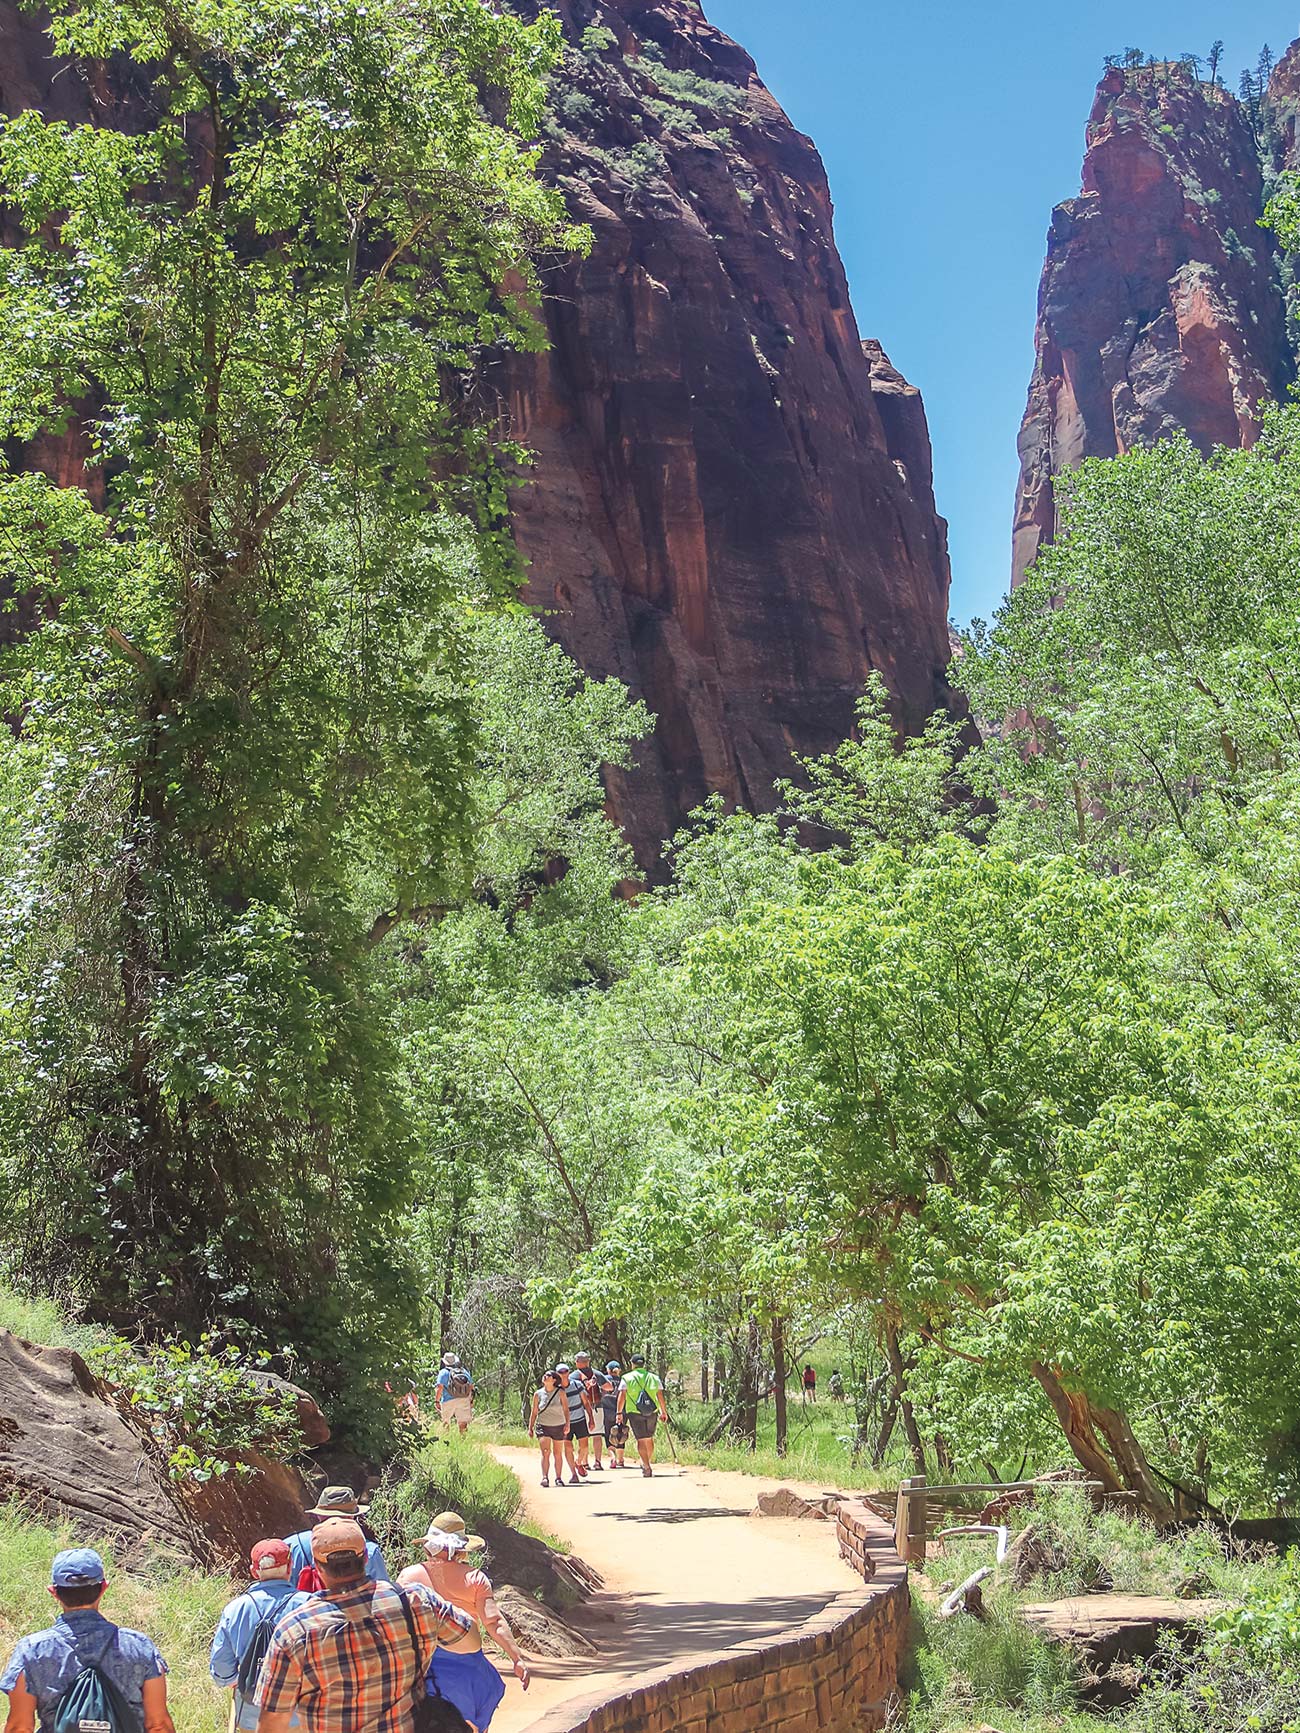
345	1662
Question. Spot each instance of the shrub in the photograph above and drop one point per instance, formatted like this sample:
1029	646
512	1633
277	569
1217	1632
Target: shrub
598	39
204	1406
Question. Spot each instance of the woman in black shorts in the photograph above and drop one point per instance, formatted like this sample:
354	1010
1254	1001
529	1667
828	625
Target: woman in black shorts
549	1424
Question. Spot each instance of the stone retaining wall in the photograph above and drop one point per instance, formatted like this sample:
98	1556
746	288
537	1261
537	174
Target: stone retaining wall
836	1673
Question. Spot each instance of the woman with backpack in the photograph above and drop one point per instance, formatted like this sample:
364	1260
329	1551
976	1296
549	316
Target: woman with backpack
244	1631
548	1423
461	1673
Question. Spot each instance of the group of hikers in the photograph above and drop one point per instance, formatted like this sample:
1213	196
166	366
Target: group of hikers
580	1409
321	1641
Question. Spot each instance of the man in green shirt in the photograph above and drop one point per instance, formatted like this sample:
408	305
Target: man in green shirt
641	1403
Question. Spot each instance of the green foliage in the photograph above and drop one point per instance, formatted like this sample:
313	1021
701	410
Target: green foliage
966	1666
247	733
37	1319
598	39
204	1406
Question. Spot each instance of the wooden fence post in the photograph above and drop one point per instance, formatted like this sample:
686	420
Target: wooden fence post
909	1521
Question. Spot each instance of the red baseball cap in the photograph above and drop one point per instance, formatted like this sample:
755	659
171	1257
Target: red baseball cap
269	1554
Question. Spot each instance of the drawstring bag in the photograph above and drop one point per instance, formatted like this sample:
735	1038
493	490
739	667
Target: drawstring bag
92	1703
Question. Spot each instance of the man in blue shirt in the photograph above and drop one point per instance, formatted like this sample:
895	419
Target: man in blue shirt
270	1596
45	1665
453	1393
334	1501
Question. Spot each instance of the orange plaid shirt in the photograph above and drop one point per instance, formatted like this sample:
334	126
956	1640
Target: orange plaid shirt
344	1663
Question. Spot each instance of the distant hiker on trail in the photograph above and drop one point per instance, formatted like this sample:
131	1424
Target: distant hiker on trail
809	1384
641	1403
352	1658
548	1423
837	1386
615	1424
461	1672
580	1406
333	1501
84	1670
244	1632
454	1393
597	1382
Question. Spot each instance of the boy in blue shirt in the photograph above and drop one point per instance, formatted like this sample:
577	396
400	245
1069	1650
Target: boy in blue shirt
44	1666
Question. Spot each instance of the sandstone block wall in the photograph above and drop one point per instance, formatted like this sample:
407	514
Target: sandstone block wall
835	1673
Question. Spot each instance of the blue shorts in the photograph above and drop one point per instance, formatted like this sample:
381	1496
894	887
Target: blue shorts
471	1682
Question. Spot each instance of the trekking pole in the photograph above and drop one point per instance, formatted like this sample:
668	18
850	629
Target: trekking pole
669	1430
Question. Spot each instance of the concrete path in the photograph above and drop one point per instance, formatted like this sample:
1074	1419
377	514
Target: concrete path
688	1572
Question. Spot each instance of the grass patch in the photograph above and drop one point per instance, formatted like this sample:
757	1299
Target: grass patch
178	1606
40	1320
449	1473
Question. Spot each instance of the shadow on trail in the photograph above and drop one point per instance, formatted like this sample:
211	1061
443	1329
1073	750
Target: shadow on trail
667	1513
657	1631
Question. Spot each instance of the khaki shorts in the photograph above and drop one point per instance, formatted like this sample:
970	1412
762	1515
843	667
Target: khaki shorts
457	1410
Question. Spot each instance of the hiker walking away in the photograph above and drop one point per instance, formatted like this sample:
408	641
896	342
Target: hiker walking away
615	1424
548	1423
597	1382
454	1393
84	1670
353	1658
461	1672
809	1384
333	1501
246	1625
579	1422
837	1386
641	1403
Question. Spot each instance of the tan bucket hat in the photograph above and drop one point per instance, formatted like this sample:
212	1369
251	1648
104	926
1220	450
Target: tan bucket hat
447	1533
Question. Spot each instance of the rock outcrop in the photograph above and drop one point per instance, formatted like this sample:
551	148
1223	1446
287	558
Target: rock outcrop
732	507
70	1454
1161	306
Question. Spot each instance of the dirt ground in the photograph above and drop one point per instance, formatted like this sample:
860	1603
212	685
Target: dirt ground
688	1572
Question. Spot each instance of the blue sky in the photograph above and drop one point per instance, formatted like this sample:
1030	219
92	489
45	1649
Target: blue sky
950	129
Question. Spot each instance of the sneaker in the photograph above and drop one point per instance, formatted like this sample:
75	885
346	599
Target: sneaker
582	1472
545	1481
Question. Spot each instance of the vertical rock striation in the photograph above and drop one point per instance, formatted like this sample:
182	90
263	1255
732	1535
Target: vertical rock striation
732	507
1161	305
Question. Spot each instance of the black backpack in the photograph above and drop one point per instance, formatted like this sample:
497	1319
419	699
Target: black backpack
250	1662
92	1703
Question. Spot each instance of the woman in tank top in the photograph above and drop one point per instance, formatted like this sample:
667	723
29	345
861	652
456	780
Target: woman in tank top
460	1671
549	1424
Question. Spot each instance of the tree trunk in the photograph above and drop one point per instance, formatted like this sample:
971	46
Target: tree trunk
719	1374
704	1370
1131	1460
779	1377
747	1402
899	1371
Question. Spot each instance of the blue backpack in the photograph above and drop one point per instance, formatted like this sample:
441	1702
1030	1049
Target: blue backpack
92	1703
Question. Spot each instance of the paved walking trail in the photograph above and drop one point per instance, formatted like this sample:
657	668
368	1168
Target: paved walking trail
688	1572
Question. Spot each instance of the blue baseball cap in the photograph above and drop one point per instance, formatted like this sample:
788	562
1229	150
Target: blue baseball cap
78	1568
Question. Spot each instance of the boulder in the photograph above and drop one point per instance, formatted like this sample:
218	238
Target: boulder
1110	1632
68	1454
790	1505
538	1630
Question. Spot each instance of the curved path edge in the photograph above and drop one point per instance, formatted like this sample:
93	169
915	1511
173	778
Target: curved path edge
836	1672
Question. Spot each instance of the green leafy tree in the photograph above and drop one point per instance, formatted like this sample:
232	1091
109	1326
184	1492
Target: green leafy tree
246	735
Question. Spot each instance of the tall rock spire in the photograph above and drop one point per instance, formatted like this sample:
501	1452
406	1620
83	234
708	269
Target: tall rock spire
1160	306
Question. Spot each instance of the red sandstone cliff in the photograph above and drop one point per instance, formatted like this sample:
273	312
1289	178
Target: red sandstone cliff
732	507
1160	306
